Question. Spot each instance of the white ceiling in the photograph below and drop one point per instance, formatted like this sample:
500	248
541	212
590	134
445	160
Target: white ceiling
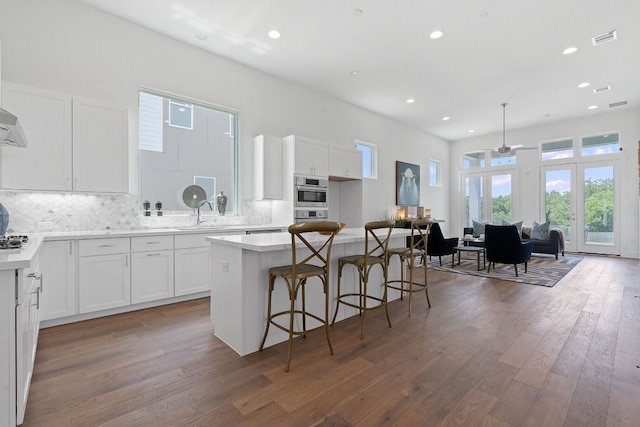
492	51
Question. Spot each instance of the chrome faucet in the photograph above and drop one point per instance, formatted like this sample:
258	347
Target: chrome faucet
199	221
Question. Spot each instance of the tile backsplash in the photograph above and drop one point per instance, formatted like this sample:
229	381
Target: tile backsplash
41	212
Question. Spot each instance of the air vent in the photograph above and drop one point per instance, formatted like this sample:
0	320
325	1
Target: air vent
602	89
603	38
617	104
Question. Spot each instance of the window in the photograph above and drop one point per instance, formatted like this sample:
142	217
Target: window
435	173
499	159
473	160
369	159
560	149
600	144
202	150
180	114
150	129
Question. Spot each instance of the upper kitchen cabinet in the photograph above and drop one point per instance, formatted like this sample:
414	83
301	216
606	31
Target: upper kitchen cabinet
46	120
100	151
311	156
344	163
74	144
267	167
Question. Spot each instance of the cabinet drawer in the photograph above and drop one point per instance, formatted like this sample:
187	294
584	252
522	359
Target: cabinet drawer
151	243
91	247
191	241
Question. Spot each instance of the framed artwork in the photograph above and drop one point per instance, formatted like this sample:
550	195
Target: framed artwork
407	184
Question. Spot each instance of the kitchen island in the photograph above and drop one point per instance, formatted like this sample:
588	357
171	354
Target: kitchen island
239	283
18	327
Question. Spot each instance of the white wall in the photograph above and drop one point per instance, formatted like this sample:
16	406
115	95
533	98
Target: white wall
625	121
69	47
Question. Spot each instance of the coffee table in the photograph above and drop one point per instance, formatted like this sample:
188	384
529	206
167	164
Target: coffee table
477	250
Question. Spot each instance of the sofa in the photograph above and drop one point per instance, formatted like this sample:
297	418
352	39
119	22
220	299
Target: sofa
554	244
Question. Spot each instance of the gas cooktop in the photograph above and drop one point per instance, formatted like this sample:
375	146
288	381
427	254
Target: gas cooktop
12	242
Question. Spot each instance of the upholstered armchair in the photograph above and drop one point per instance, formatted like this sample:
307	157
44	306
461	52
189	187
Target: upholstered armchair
502	244
438	245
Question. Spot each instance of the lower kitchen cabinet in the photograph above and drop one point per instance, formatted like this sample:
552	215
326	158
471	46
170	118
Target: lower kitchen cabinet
191	264
58	267
104	274
151	268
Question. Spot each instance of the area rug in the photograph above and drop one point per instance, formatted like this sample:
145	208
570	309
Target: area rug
541	270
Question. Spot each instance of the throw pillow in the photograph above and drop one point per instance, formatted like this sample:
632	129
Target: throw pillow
540	231
478	228
517	224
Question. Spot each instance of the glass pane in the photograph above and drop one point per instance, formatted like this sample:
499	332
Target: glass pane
498	159
598	205
435	174
473	200
600	144
181	115
366	160
473	160
557	200
501	198
557	149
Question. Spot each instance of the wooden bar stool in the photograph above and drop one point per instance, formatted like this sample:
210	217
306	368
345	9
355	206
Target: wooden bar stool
417	243
376	243
304	265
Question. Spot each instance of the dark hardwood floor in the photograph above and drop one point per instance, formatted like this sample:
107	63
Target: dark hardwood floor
491	353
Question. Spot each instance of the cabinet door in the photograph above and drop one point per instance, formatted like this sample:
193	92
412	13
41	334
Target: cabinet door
320	159
337	161
46	119
58	266
100	149
192	270
27	328
103	282
151	276
354	163
303	156
311	157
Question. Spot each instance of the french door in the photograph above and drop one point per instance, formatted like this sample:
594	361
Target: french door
583	199
488	196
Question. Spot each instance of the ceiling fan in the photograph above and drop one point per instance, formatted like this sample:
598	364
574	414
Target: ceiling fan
504	148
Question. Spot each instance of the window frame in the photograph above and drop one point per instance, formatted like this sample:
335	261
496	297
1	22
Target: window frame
373	165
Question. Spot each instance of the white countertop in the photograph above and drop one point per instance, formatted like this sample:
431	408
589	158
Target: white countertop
279	241
13	259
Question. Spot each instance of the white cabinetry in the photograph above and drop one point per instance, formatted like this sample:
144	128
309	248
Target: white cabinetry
267	167
27	328
46	119
58	266
311	156
100	151
345	162
191	264
74	144
104	279
151	268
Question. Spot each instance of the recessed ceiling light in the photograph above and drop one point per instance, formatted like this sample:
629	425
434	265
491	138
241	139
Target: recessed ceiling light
410	101
274	34
584	84
569	50
471	131
354	73
445	118
592	107
436	34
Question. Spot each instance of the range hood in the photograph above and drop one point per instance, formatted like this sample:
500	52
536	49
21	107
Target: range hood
11	133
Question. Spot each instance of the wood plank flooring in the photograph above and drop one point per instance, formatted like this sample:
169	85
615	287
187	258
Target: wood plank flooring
488	353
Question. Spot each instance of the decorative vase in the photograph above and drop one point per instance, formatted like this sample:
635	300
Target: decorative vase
221	203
